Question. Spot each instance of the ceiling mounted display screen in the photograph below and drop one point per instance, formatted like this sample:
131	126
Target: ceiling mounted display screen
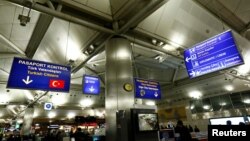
91	85
214	54
147	89
38	75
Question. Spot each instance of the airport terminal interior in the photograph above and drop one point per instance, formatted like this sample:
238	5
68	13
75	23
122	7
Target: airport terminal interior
122	70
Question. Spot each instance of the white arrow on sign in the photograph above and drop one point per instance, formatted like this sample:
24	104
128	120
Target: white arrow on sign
192	73
198	72
91	89
187	59
156	94
27	81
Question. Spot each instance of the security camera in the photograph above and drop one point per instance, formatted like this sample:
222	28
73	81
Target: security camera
23	20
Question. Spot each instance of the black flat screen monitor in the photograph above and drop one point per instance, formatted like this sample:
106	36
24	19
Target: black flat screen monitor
147	122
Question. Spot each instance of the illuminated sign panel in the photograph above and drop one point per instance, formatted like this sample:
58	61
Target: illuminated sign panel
91	85
216	53
147	89
37	75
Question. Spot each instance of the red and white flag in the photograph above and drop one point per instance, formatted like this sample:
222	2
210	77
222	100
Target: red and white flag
56	84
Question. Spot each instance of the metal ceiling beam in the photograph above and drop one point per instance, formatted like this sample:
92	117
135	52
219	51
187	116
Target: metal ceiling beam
151	46
7	55
97	50
93	71
133	21
85	9
66	17
4	71
138	17
12	45
187	81
222	13
41	28
152	6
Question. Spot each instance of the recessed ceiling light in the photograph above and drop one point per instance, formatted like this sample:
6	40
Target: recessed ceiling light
223	103
229	87
195	94
247	101
51	115
71	115
150	103
206	107
86	102
192	107
169	47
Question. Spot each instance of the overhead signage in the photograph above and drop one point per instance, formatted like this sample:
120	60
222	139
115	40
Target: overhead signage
216	53
48	106
37	75
147	89
91	85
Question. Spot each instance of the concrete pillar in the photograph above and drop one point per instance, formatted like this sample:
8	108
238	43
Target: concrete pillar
27	121
118	101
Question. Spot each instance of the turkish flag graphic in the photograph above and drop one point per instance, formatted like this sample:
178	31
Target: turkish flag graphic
56	84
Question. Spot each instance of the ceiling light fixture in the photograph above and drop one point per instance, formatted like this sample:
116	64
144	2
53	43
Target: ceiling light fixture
195	94
160	44
206	107
192	107
154	41
223	103
229	87
86	102
51	115
150	103
247	101
71	115
89	50
19	121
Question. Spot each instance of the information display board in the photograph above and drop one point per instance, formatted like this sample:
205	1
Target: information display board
38	75
216	53
147	89
91	85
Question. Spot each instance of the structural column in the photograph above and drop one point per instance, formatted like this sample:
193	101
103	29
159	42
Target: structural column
118	101
27	121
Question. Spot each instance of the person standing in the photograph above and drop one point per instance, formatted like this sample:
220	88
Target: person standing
190	128
184	134
196	129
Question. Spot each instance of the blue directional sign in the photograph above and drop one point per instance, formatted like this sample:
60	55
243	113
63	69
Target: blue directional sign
216	53
147	89
37	75
91	85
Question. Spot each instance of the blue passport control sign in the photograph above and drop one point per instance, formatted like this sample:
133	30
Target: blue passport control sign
216	53
37	75
147	89
91	85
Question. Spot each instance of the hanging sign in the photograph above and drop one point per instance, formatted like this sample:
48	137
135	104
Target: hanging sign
147	89
37	75
91	85
217	53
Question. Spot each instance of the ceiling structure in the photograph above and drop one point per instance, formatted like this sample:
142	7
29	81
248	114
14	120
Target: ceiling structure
74	32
